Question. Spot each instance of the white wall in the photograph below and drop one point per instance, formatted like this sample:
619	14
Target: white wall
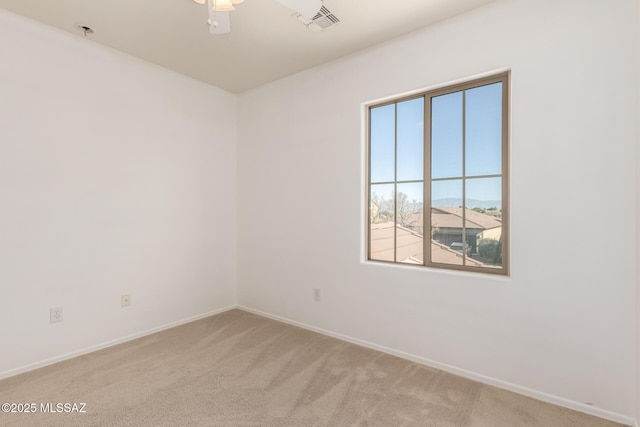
564	323
637	420
116	176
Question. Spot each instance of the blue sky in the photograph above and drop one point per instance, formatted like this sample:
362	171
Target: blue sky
483	122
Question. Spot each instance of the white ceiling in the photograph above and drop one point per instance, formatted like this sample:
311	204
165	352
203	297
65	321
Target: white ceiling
266	42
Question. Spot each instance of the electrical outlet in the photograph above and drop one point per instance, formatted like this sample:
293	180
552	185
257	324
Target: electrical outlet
55	315
316	294
125	300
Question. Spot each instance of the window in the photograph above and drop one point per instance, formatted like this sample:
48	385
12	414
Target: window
438	166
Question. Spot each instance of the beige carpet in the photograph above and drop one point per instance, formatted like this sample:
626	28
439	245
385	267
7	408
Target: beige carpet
239	369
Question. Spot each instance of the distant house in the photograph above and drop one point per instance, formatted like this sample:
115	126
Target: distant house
447	226
409	248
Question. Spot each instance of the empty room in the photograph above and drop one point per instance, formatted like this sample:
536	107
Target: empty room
212	213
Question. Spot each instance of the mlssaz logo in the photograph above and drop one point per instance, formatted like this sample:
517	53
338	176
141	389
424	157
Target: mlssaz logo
63	407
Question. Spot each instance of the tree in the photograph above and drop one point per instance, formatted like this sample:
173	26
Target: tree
381	208
408	213
490	250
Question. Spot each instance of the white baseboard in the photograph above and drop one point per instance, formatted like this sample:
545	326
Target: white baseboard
56	359
545	397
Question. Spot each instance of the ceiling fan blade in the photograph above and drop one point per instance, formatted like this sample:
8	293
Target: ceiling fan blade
219	22
306	8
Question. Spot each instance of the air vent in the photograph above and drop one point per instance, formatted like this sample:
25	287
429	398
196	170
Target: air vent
324	19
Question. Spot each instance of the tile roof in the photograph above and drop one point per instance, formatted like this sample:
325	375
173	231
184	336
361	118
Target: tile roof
452	218
409	247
